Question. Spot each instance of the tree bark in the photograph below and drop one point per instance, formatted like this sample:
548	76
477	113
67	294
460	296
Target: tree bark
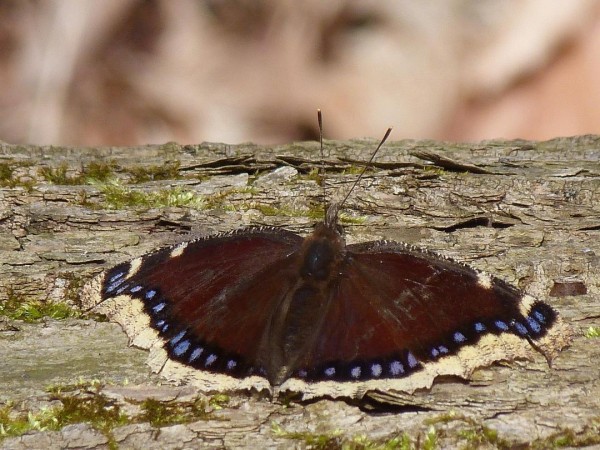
527	212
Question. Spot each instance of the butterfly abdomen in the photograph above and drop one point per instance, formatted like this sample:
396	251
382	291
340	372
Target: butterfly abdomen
299	318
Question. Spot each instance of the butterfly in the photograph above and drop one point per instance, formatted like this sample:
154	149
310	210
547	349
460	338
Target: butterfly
264	308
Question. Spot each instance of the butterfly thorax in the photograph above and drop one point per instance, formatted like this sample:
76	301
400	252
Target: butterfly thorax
321	254
299	317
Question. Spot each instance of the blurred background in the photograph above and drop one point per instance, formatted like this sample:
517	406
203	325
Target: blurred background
124	72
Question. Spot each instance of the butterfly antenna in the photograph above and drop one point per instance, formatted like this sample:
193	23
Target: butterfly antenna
360	175
322	167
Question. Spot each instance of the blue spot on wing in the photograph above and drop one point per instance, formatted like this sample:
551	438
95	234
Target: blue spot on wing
539	316
533	325
396	368
501	325
177	338
210	360
121	289
520	328
376	370
158	308
196	354
114	285
412	361
116	277
181	348
459	337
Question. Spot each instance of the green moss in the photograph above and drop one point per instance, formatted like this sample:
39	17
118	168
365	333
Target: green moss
15	424
282	211
17	307
168	171
592	332
402	442
447	417
6	173
117	196
83	402
564	439
356	170
588	436
350	220
81	385
170	148
96	410
430	442
334	440
274	211
105	171
99	171
73	288
312	440
219	401
7	177
220	199
94	171
161	414
482	436
314	175
58	175
433	170
318	175
475	435
316	212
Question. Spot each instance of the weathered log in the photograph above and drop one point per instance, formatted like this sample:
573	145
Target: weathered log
527	212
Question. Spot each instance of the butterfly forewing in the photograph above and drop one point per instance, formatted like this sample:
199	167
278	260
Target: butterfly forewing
395	308
210	299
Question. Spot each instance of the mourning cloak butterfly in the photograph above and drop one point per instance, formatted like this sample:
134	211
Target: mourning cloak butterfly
264	308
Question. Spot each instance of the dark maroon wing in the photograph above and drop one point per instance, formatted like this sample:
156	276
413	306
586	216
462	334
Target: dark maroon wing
396	308
210	299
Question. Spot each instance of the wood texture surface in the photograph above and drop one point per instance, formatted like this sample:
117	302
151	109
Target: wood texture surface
527	212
